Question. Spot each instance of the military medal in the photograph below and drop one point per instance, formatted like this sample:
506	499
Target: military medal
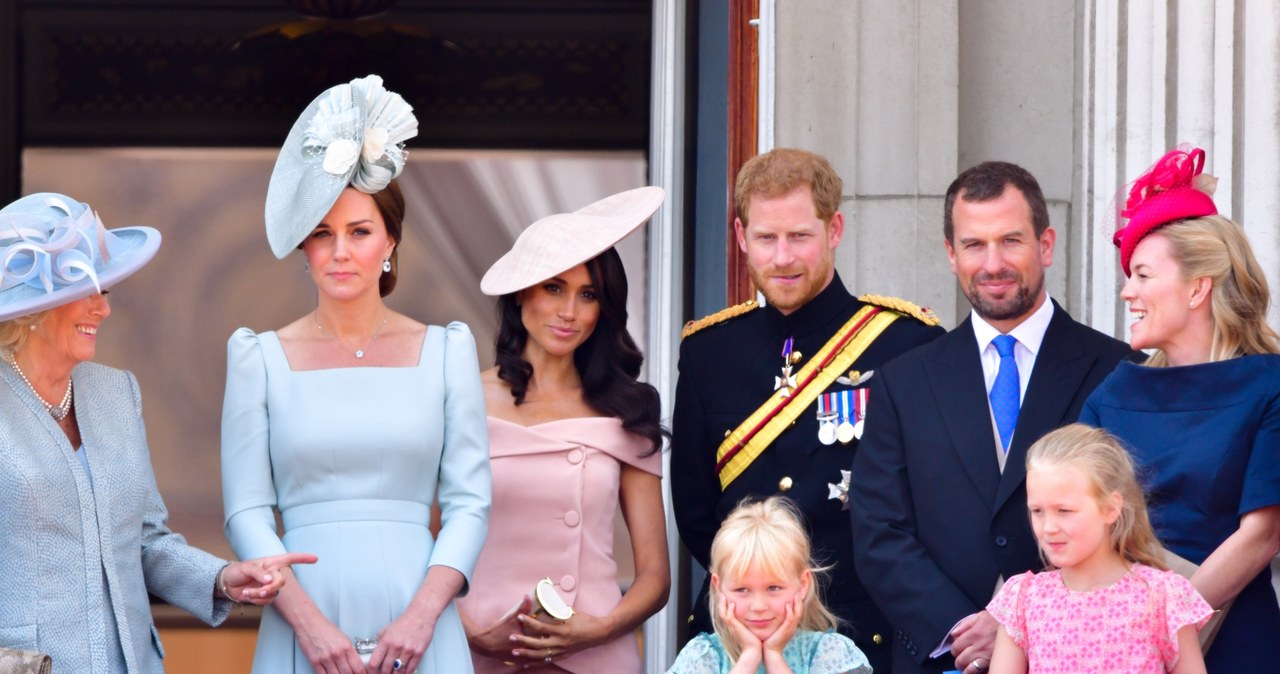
840	492
859	410
826	419
844	431
787	382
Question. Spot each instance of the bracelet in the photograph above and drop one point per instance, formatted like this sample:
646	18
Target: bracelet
222	585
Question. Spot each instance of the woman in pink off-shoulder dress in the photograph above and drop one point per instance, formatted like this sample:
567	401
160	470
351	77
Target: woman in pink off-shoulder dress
572	434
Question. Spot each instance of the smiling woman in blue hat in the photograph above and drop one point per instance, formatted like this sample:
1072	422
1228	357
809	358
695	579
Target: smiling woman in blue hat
83	533
353	419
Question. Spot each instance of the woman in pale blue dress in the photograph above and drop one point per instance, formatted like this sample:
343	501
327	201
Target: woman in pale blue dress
353	419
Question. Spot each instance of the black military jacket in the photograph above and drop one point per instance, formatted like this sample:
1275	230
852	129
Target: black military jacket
727	371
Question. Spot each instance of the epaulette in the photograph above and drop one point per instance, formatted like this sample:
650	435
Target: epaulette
902	306
718	317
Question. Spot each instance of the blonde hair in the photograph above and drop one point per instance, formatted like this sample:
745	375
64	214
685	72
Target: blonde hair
1216	248
767	535
15	331
1101	458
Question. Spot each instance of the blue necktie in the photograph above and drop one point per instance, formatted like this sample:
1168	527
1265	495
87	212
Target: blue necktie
1004	391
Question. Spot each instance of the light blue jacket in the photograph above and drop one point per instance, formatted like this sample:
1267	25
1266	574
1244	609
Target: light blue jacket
61	532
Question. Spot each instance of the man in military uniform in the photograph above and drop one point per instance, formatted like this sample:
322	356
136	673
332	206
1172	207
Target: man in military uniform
770	398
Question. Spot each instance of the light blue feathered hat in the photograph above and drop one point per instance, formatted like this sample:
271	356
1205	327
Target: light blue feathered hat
353	134
55	250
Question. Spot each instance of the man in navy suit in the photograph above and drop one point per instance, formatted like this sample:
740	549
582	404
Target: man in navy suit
938	494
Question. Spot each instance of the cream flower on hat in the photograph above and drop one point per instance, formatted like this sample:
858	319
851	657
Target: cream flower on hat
352	134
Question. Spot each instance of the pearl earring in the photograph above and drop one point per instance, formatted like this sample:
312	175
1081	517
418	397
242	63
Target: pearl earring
386	265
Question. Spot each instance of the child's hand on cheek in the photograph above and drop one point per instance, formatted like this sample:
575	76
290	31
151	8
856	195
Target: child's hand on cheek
746	638
781	636
752	650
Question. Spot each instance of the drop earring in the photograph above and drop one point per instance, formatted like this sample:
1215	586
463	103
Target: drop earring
386	266
306	267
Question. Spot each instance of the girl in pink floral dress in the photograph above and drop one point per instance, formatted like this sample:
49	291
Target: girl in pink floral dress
1108	604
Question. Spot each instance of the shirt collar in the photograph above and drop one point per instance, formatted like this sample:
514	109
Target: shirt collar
815	315
1029	333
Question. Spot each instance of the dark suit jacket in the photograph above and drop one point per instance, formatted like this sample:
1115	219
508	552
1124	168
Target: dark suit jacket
935	521
726	372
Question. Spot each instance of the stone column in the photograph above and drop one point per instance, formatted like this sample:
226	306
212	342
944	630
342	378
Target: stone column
873	86
1163	74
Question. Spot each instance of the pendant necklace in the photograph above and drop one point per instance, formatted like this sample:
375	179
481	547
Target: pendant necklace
59	411
358	353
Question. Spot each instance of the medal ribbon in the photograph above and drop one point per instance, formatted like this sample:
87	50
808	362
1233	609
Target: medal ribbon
746	442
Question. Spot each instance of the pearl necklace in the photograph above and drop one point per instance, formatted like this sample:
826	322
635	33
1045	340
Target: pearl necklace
358	353
59	411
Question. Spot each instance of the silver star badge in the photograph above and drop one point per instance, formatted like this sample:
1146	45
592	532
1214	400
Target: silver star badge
787	382
840	492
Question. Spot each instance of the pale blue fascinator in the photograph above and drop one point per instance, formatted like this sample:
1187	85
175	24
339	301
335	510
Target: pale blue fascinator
55	250
352	134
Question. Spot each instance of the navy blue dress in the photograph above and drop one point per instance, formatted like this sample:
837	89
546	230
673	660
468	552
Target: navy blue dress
1206	439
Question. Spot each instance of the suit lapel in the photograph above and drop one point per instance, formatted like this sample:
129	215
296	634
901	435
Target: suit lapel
955	376
1060	367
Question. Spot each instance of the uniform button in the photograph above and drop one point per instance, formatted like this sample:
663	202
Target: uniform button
568	583
571	518
877	639
689	619
785	484
1001	541
726	433
575	456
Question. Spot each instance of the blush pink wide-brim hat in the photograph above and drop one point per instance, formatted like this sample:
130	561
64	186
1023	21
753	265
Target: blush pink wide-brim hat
560	242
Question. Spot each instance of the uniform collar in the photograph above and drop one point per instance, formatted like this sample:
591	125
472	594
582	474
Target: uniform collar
816	315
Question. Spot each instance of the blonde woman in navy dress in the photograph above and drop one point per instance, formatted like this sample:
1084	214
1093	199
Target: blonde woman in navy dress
1202	417
353	419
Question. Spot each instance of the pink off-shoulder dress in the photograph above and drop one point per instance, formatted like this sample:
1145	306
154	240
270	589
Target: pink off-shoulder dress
1128	627
555	493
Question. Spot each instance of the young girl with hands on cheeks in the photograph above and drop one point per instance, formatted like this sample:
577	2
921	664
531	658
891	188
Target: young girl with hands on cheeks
1107	604
764	599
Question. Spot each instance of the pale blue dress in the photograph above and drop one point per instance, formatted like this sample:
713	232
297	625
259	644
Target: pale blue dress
808	652
352	458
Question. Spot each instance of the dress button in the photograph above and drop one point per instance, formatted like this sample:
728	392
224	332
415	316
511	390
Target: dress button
785	483
571	518
575	456
877	639
568	583
1001	541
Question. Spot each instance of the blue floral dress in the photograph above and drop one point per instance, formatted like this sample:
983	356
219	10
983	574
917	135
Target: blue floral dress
806	653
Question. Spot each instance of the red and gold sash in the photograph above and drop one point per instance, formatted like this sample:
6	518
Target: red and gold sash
746	442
